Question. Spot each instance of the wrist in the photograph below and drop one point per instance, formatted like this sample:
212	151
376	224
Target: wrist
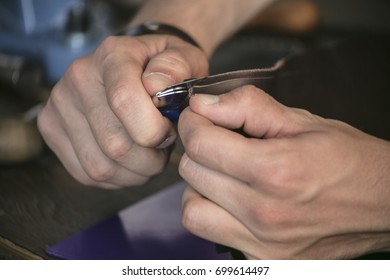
151	27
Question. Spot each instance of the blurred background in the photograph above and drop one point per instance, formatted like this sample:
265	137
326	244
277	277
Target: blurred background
40	38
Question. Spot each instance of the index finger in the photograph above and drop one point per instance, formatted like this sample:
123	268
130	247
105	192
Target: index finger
123	61
247	159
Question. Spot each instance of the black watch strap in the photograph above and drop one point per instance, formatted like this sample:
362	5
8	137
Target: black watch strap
151	27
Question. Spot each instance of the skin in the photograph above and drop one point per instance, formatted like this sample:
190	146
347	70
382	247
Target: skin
100	120
305	187
296	186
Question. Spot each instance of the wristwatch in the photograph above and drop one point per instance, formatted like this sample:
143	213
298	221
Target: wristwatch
151	27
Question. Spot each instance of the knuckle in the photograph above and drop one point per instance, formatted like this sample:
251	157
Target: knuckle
192	145
284	176
118	97
303	117
96	167
282	180
99	172
270	218
76	72
113	49
194	141
57	97
291	180
305	114
251	94
150	137
102	174
251	90
248	92
58	104
248	95
258	215
190	217
116	146
275	218
184	170
190	55
106	46
149	133
175	62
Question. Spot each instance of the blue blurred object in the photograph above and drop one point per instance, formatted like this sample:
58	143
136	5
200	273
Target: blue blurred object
148	230
52	32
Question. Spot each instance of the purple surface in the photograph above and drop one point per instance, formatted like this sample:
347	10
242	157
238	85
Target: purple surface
150	229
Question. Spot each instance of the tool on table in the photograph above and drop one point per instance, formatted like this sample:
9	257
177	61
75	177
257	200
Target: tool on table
20	140
21	83
174	99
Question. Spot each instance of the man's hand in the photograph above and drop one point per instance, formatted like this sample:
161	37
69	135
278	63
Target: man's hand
100	120
296	186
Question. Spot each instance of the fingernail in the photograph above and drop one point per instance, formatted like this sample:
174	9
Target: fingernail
158	81
208	99
167	142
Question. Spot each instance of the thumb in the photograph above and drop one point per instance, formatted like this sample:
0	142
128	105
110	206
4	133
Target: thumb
173	66
252	110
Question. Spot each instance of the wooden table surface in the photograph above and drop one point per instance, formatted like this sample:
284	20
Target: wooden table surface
40	204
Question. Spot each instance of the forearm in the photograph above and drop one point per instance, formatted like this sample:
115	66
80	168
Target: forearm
208	22
380	177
